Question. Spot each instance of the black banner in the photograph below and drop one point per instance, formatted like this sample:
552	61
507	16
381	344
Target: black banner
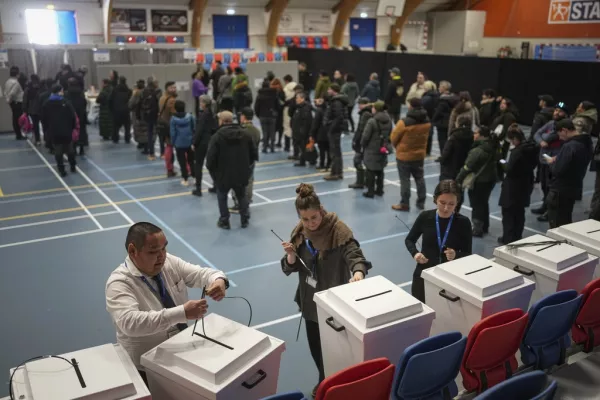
128	20
169	20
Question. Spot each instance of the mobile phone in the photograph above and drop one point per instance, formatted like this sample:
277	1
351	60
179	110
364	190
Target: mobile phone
203	293
547	157
503	161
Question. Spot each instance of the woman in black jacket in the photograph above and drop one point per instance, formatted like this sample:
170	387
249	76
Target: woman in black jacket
205	127
456	149
31	105
266	108
120	110
507	116
319	133
75	96
488	107
517	185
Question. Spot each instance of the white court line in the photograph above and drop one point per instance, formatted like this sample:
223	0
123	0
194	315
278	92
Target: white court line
64	236
294	198
52	221
22	168
62	181
268	200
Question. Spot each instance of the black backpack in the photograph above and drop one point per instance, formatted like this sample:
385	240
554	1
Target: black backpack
149	104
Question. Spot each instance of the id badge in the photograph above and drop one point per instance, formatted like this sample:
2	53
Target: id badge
312	282
173	331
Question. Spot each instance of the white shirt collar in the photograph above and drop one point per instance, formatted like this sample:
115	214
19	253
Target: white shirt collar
133	269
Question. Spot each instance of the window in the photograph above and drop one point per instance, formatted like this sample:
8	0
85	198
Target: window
51	26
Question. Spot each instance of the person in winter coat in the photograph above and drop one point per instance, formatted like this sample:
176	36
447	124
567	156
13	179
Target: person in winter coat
322	85
417	89
166	106
507	116
266	108
568	169
372	89
441	116
365	108
76	98
488	108
13	92
318	131
351	90
456	149
113	76
61	120
215	76
430	99
586	116
305	77
394	93
183	127
45	92
31	105
106	120
335	121
140	127
148	110
464	106
481	161
225	98
289	91
276	84
375	140
544	115
120	110
198	89
231	153
242	95
206	126
63	76
301	127
338	77
409	138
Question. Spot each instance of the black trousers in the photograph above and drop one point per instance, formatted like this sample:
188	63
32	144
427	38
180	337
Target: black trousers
268	126
240	194
185	157
395	115
35	120
560	208
545	178
299	149
335	148
417	287
595	203
17	110
200	156
350	118
196	106
442	135
374	181
59	151
479	197
429	141
314	344
324	155
122	120
513	223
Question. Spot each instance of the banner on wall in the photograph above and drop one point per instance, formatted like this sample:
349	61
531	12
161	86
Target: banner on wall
3	56
128	20
169	20
574	12
290	23
101	56
189	54
317	23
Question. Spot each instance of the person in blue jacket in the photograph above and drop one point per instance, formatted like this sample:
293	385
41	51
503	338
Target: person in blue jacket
183	126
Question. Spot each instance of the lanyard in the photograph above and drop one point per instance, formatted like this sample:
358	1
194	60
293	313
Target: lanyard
315	254
441	243
163	290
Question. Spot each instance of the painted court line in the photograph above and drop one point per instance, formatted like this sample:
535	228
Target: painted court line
68	235
260	196
52	221
62	181
22	168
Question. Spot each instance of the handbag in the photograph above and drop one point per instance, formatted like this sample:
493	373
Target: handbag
469	180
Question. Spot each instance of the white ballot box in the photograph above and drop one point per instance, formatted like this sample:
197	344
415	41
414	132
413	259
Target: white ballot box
235	362
101	373
551	267
368	319
582	234
466	290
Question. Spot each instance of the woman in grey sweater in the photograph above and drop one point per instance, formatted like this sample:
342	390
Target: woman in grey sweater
350	89
225	100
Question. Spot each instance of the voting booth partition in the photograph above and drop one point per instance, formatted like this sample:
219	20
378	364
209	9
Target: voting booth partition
464	291
99	373
582	234
368	319
218	359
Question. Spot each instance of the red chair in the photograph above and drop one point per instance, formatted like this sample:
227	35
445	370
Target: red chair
199	58
325	40
253	59
218	57
280	41
325	45
285	56
236	57
491	347
296	40
586	329
310	40
310	45
368	380
270	57
234	65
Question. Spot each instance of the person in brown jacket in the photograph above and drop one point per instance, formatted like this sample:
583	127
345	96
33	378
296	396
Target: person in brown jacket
409	138
166	110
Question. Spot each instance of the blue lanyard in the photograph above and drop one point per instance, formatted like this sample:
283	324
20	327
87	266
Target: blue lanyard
314	253
163	290
441	243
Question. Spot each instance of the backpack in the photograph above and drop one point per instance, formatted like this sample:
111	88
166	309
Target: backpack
149	104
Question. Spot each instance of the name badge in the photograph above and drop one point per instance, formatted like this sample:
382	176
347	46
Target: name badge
312	282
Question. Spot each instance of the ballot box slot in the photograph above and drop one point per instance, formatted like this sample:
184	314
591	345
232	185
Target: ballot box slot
594	231
374	295
479	270
549	246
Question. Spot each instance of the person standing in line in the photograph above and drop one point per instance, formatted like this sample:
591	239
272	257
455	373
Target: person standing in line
585	117
242	95
504	119
517	185
305	78
445	234
456	148
481	162
183	127
466	107
140	127
14	97
322	84
225	99
544	115
338	77
289	91
106	120
488	108
45	93
265	108
166	106
409	138
76	98
121	95
276	84
149	114
375	142
198	89
336	123
31	106
568	170
441	116
394	93
215	76
417	89
364	112
430	99
231	153
325	243
61	119
372	89
205	128
318	131
351	90
301	127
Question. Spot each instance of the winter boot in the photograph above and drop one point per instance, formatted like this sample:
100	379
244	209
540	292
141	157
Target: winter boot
360	180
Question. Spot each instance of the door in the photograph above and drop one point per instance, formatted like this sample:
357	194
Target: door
230	31
363	32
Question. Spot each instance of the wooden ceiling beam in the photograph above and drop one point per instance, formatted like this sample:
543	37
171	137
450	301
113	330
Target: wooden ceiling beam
337	6
344	12
269	5
396	30
198	7
277	7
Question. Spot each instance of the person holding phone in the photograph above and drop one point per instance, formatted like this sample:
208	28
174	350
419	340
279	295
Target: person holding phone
323	251
445	234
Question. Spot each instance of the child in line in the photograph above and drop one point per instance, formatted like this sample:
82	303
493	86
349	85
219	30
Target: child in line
183	126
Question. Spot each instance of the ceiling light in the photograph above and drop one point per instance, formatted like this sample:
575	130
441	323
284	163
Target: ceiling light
230	11
50	6
364	15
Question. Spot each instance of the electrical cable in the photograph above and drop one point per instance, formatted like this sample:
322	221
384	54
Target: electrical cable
407	227
546	243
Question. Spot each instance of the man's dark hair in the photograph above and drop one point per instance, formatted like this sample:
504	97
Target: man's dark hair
56	89
239	70
218	63
137	234
122	80
335	87
350	78
415	103
288	78
14	72
515	132
266	84
170	83
140	84
490	93
323	73
248	113
587	105
180	106
302	95
299	88
565	123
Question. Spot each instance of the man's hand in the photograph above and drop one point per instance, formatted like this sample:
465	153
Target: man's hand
358	276
543	143
450	254
551	160
216	291
195	309
421	259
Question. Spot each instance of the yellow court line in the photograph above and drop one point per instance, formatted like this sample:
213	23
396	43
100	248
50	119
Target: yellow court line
1	192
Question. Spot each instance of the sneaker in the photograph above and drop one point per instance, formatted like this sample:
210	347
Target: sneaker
333	177
401	207
63	173
73	168
379	193
369	195
223	224
212	190
171	174
356	186
292	158
184	182
543	218
245	223
197	192
151	158
234	209
278	145
421	206
538	211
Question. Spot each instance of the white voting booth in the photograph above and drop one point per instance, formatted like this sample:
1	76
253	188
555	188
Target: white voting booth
464	291
368	319
551	267
105	373
582	234
244	364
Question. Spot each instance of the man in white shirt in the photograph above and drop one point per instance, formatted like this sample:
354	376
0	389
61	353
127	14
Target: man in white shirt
147	297
14	96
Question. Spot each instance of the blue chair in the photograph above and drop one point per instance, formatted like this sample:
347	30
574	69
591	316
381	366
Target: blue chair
303	41
531	386
226	58
208	57
278	56
318	40
121	39
243	66
428	368
546	337
224	65
261	57
161	39
207	66
288	40
286	396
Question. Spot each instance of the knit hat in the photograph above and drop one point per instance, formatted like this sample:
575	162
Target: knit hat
379	106
364	100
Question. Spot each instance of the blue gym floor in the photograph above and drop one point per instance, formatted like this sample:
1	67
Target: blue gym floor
56	258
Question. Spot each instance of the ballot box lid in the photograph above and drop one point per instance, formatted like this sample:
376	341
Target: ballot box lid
551	257
587	231
373	302
479	276
208	361
101	369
